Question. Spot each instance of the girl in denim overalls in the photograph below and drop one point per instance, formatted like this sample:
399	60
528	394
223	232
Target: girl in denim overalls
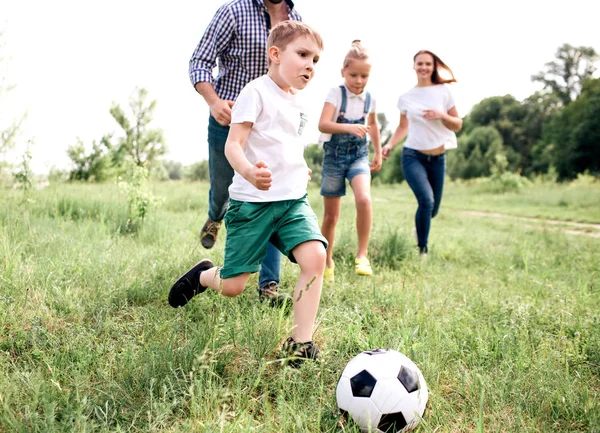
347	116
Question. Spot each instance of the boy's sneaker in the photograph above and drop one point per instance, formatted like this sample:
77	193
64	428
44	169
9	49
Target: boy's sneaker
270	293
208	235
188	285
299	352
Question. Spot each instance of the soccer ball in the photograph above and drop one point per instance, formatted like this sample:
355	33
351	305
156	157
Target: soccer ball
382	390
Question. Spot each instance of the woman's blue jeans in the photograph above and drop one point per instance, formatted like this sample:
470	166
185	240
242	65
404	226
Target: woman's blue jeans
425	175
221	176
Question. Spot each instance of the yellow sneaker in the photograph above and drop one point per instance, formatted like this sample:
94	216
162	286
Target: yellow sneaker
363	267
329	275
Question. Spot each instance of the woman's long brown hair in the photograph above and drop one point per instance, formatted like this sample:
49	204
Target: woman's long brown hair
438	65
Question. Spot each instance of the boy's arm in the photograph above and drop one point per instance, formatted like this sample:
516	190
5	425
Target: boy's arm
329	126
258	174
376	140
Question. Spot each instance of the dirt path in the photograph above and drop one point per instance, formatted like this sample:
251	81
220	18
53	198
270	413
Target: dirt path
586	229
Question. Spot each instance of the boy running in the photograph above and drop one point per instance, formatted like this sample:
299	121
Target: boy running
268	195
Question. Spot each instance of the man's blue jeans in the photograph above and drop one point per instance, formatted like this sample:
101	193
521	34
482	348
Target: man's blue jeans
221	176
425	175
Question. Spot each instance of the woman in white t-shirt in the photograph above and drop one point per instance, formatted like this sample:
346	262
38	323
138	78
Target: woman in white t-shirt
429	120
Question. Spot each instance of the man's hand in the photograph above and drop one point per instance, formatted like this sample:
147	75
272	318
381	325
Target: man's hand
221	111
309	173
260	176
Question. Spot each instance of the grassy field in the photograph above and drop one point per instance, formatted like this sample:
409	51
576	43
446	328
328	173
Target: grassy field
503	318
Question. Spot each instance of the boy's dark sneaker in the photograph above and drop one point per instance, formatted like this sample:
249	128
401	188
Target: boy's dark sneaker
208	236
188	285
270	293
299	352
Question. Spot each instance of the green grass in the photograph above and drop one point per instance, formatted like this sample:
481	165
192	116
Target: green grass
503	319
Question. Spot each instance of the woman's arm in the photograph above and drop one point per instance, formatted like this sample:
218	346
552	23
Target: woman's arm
397	137
376	140
451	119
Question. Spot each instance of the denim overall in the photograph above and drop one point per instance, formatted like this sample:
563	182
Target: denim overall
345	155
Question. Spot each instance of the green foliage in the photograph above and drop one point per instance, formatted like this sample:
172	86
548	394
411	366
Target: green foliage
584	179
507	116
140	143
502	181
571	139
174	170
24	176
476	153
197	171
140	199
95	166
566	75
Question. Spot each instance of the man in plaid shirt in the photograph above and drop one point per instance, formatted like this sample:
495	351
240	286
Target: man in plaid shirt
236	42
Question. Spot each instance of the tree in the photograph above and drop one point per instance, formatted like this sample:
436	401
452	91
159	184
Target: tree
197	171
95	166
539	108
476	153
565	75
140	143
506	115
174	169
571	139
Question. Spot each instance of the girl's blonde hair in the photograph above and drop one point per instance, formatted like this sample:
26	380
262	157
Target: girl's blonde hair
438	66
356	52
287	31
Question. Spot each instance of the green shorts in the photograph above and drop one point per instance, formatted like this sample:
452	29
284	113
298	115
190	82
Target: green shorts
251	226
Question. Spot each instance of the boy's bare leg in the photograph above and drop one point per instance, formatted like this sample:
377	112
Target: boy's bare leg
310	256
227	287
361	185
332	206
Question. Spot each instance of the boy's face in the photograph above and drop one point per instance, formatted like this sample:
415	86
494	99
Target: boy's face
295	64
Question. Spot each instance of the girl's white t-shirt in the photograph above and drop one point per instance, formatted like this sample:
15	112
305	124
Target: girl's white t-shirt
426	134
355	106
278	120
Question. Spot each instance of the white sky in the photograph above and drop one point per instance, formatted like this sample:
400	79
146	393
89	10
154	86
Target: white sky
70	59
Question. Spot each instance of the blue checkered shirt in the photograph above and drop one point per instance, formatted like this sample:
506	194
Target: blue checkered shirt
236	38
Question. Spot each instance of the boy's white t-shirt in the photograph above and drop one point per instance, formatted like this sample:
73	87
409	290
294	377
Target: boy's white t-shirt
355	106
278	120
426	134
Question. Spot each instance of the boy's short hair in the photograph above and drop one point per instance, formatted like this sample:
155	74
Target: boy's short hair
287	31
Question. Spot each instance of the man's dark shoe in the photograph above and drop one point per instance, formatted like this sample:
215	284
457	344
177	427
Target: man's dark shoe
270	293
188	285
208	236
299	352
